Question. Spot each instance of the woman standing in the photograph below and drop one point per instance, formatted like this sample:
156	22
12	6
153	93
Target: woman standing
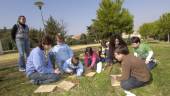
20	34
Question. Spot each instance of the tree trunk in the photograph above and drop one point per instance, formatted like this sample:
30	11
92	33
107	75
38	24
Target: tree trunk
1	50
168	37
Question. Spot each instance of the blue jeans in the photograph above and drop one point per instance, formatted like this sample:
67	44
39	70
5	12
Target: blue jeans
38	78
131	83
23	48
151	65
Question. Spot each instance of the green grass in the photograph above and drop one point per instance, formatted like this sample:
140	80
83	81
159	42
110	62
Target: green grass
14	83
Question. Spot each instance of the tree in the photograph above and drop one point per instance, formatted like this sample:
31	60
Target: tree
164	25
150	30
54	27
112	19
83	38
34	36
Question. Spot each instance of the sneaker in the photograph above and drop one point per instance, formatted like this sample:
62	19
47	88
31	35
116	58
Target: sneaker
22	69
128	93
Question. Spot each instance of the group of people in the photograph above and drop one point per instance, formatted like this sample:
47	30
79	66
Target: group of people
44	63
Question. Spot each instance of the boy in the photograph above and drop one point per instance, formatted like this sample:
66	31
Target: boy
73	65
143	51
134	71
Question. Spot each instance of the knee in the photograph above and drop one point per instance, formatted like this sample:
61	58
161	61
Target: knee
125	85
55	77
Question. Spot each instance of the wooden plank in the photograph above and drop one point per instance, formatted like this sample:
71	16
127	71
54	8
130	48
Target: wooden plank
66	85
114	82
45	88
90	74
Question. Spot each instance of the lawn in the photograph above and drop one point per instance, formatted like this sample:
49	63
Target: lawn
14	83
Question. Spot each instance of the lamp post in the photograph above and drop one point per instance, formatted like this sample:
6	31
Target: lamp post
39	4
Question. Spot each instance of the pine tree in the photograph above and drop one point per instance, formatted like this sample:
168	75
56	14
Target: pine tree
112	19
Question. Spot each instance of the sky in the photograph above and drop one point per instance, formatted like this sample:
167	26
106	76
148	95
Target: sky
76	14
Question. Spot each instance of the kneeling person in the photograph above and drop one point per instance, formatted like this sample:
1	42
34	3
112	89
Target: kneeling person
134	70
73	66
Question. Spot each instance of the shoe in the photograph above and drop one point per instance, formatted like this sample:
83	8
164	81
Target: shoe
22	69
128	93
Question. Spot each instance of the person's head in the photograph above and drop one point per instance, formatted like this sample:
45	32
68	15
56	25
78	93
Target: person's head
75	60
135	42
120	52
89	51
22	19
45	43
116	40
103	43
59	38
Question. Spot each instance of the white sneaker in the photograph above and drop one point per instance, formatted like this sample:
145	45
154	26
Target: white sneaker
128	93
22	70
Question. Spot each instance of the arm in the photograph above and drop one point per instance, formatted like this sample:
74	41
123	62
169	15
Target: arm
85	60
65	66
80	69
40	65
94	59
13	32
148	58
150	53
125	72
70	52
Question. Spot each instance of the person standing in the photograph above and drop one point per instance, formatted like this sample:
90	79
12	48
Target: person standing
20	35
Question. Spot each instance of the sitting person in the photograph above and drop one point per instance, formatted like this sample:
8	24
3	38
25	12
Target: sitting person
144	52
115	41
73	65
61	52
90	58
134	70
103	51
38	67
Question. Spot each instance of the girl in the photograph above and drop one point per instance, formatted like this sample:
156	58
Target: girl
61	51
39	68
91	58
115	41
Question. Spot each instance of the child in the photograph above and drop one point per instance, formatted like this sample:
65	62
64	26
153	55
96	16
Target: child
134	70
73	65
39	68
143	51
115	41
91	58
61	51
103	51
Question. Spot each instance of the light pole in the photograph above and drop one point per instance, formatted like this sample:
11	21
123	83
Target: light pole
39	4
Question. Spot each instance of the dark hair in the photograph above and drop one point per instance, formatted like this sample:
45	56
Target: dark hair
21	17
112	46
122	50
135	40
89	50
76	58
46	40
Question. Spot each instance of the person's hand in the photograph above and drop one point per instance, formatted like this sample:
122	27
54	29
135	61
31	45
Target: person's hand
57	71
117	77
69	71
147	61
